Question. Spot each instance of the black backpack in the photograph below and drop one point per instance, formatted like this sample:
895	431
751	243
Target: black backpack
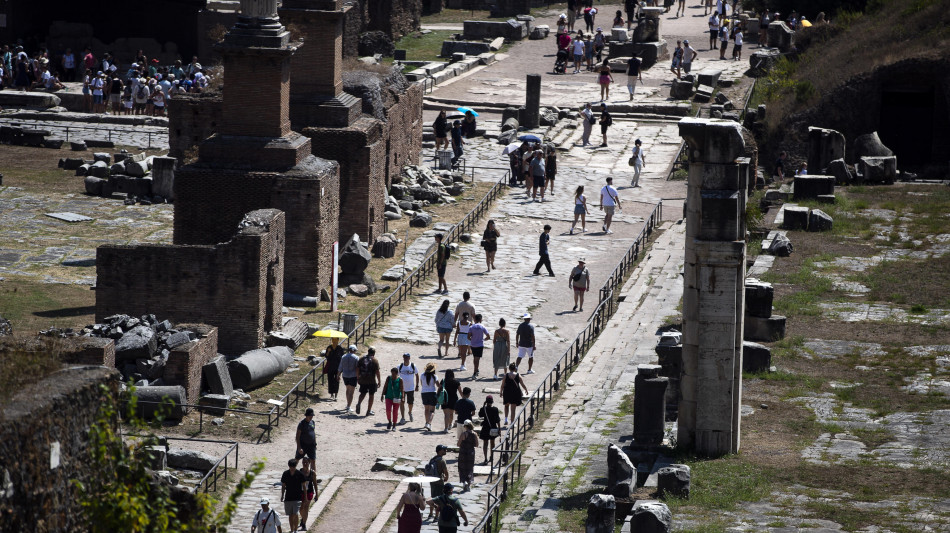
366	364
141	92
448	513
432	468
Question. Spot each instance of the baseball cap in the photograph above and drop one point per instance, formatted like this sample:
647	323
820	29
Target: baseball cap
581	260
135	65
685	41
441	447
406	354
526	315
308	412
352	348
265	501
154	60
448	487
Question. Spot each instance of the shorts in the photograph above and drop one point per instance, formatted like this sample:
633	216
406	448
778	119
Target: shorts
97	98
309	450
737	49
114	98
437	488
578	58
429	398
713	34
349	382
440	269
687	67
609	209
368	388
603	128
443	330
291	508
525	350
477	351
409	396
580	290
463	340
127	104
579	209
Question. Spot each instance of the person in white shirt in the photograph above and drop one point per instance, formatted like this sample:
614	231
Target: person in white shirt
578	45
410	382
737	47
609	201
266	519
638	161
713	30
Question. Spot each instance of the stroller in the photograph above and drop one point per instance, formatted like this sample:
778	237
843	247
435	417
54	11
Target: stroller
560	65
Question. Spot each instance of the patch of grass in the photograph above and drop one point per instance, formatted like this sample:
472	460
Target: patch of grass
722	484
424	47
872	437
810	289
32	305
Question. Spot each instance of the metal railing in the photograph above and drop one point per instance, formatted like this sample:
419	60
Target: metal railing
77	130
405	289
537	400
498	492
220	467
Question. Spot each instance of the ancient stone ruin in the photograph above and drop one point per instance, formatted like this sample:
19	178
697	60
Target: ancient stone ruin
714	287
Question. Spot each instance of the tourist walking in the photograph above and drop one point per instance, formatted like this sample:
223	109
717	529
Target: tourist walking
680	8
410	382
441	263
464	410
525	339
457	142
428	388
348	373
579	283
444	324
367	375
677	59
467	443
491	425
490	243
511	386
605	79
501	349
292	487
449	391
605	122
409	510
633	74
588	120
609	201
637	161
437	468
461	330
331	367
550	172
441	127
589	13
306	437
538	175
544	259
307	469
477	335
392	397
449	508
580	209
599	42
266	519
465	306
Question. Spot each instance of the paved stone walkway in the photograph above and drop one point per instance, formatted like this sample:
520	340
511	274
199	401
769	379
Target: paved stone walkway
152	137
578	424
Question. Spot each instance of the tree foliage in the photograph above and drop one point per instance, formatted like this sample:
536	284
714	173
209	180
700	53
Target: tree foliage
124	496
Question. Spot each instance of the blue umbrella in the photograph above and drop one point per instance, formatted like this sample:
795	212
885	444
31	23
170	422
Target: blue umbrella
467	110
530	138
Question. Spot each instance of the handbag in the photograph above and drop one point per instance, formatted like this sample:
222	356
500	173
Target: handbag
442	398
484	243
592	119
632	161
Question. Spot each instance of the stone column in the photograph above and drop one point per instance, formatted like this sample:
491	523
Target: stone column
714	287
824	146
601	514
316	88
532	108
649	406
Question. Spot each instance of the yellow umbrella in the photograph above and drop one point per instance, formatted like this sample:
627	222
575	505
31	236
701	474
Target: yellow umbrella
805	23
331	333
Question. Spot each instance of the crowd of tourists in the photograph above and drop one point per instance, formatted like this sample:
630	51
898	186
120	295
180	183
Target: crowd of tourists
142	88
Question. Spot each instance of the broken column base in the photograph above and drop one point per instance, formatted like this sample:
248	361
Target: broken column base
764	329
755	357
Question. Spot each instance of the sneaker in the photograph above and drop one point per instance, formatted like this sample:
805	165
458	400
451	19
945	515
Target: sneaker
584	230
475	375
575	308
402	420
506	421
357	408
603	227
410	417
427	427
551	275
348	410
389	426
609	232
462	368
530	372
370	413
571	232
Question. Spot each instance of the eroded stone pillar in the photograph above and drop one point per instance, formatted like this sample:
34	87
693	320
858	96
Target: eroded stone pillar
532	106
714	287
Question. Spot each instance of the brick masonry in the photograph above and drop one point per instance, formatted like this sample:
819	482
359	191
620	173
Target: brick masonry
192	118
393	17
57	411
235	285
185	362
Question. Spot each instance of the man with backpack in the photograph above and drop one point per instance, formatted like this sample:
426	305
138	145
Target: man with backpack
367	375
348	371
449	508
267	519
436	467
410	382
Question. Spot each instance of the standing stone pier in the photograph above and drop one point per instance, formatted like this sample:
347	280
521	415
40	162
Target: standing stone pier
532	108
714	287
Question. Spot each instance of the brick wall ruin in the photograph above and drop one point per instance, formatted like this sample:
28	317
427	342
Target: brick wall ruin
192	118
236	285
393	17
44	445
184	363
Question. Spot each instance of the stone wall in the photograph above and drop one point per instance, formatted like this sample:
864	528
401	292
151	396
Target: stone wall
192	118
88	351
240	281
184	363
393	17
44	445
